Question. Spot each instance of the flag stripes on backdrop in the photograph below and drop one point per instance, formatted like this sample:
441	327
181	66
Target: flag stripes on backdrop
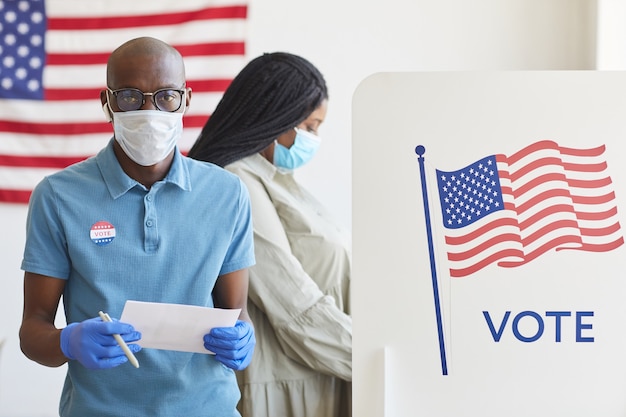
510	210
53	57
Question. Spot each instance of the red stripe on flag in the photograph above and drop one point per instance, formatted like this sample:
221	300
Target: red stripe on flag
597	151
14	196
64	94
215	48
595	216
77	59
603	182
551	145
546	212
209	86
565	238
54	128
586	168
537	199
463	272
475	250
533	165
599	199
601	232
200	49
498	223
119	22
551	244
536	182
601	247
40	161
195	121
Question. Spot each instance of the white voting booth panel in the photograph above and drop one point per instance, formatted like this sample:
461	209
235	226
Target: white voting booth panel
530	313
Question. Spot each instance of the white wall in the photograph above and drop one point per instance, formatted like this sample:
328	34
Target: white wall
611	35
347	40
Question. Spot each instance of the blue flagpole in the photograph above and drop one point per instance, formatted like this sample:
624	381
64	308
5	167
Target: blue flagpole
420	150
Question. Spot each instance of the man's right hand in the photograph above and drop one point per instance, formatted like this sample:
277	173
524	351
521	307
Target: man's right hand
91	342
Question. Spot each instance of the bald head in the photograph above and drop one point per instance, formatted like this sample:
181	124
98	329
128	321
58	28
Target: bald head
145	57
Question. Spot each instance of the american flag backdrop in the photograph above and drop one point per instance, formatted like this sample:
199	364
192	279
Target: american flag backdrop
510	210
53	65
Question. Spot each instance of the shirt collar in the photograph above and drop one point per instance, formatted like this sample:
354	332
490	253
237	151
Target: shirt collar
118	182
259	164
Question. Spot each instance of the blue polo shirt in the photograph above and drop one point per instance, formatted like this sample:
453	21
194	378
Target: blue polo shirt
114	240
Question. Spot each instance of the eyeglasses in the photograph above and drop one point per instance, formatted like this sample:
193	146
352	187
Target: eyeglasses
165	99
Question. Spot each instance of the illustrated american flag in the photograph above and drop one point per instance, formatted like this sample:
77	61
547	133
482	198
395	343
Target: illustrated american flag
53	57
510	210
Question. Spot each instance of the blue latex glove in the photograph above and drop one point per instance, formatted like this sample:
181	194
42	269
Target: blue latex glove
91	342
233	346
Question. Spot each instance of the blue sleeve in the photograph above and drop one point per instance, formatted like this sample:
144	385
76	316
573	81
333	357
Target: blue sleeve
240	254
45	251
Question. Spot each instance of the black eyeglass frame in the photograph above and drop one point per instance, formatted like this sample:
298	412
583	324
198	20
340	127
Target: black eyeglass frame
143	97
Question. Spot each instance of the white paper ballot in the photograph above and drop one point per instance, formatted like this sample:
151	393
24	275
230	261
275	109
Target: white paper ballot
175	326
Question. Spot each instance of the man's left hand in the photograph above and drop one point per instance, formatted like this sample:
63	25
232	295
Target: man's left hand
233	346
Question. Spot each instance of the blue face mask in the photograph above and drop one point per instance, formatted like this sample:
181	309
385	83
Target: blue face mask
304	147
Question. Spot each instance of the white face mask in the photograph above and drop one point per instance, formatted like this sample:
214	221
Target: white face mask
147	136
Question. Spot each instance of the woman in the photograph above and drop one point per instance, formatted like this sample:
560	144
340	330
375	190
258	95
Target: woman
264	128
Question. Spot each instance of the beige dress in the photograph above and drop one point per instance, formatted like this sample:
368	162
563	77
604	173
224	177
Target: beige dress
299	301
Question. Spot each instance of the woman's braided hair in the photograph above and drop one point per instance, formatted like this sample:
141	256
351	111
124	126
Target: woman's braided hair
273	93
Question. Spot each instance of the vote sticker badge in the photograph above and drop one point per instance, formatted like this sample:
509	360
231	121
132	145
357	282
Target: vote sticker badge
102	233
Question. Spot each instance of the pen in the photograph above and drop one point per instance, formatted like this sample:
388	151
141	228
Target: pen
132	359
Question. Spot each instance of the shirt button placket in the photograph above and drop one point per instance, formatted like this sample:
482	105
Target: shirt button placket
151	237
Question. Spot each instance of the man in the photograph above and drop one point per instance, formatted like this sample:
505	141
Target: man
139	221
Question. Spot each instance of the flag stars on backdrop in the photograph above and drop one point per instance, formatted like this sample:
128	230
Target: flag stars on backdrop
470	194
22	27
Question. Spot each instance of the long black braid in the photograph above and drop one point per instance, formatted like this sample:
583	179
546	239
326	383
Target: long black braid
273	93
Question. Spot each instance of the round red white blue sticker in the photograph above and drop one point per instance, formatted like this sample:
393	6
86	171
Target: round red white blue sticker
102	233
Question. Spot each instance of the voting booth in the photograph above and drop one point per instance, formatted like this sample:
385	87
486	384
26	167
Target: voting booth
489	258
